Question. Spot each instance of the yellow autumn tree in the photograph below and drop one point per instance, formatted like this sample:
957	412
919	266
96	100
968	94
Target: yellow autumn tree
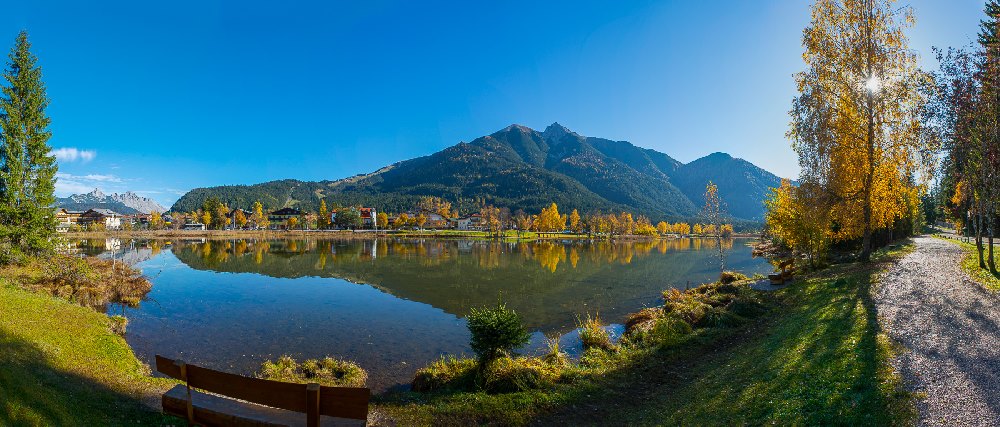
799	218
550	220
382	220
155	220
323	218
574	221
259	219
663	227
682	228
240	218
856	121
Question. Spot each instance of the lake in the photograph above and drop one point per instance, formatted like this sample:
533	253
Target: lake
391	305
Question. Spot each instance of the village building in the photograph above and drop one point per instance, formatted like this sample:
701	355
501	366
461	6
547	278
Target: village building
461	223
66	219
232	217
433	220
279	218
138	219
109	218
369	216
194	226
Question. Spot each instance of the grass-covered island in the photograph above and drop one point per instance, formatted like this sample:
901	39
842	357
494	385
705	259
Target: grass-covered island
721	353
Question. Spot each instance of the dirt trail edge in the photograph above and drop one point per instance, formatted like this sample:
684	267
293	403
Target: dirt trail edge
950	328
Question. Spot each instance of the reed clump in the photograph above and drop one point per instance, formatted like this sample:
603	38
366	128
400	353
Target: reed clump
327	371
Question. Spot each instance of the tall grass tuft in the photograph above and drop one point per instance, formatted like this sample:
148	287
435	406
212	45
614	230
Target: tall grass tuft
555	355
593	334
327	371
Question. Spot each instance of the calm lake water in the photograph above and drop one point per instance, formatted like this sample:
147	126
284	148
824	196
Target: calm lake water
391	305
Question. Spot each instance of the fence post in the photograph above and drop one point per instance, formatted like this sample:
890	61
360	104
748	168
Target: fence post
312	405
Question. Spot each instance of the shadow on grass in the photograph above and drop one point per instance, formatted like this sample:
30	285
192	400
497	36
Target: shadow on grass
820	358
34	393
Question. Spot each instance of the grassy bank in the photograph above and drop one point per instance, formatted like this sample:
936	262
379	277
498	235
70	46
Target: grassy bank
817	358
970	264
61	365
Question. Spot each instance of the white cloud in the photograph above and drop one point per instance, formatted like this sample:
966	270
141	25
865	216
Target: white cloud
69	184
71	154
66	187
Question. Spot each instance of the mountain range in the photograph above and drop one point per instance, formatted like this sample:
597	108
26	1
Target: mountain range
126	203
522	168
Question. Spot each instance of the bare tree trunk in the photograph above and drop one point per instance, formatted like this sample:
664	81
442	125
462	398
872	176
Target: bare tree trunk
989	259
979	239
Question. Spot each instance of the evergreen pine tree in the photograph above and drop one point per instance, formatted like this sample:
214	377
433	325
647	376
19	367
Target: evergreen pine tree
27	168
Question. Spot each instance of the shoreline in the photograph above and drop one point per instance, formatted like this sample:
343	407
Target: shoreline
365	234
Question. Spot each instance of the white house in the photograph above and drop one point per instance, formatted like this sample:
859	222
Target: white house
111	219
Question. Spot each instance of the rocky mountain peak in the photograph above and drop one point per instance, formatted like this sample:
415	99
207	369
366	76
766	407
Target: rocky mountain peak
556	131
125	203
97	194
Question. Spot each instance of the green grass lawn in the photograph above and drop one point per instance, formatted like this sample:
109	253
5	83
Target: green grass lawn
822	360
970	263
818	358
60	365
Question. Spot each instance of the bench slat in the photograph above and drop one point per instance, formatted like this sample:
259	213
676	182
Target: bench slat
342	402
219	411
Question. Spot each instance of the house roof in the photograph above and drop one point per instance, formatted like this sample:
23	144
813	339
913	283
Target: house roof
104	212
287	211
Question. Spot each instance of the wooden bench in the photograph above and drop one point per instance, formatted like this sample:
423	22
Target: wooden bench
785	275
213	398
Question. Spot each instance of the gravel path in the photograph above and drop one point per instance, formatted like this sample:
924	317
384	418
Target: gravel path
950	327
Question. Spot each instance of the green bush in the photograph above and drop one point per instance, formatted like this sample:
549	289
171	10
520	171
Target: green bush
495	332
327	371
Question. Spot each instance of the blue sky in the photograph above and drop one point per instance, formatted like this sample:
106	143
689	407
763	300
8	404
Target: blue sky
163	97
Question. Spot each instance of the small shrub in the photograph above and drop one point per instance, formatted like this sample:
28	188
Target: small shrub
118	325
327	371
495	332
446	374
593	334
728	277
513	374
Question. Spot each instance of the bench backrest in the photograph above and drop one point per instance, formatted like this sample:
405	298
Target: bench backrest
341	402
